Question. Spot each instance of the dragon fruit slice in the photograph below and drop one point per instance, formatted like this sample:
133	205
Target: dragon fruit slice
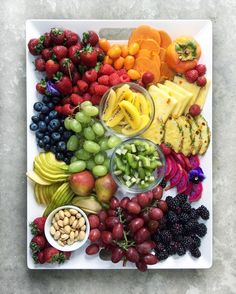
178	157
187	163
168	166
196	192
183	183
189	188
194	161
176	179
173	169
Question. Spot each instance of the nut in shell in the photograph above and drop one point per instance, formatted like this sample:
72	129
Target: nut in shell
72	236
67	229
73	211
65	236
81	235
57	217
81	222
83	228
78	215
56	226
72	219
60	223
57	235
66	221
61	214
75	223
60	243
52	230
67	213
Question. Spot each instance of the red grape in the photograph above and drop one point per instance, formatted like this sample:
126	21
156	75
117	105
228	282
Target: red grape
107	237
111	212
111	221
143	199
92	249
118	232
93	221
132	254
145	247
123	202
147	78
117	254
102	226
155	213
162	205
94	235
150	259
102	215
153	226
133	207
141	266
157	192
136	224
141	235
145	216
150	195
134	199
114	203
129	217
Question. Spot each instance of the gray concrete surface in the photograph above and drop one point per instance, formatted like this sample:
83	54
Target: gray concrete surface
14	276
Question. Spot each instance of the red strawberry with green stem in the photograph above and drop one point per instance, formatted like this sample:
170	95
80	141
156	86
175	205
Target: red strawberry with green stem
74	53
35	46
51	254
100	54
63	83
39	257
60	52
41	86
47	40
37	226
37	243
39	64
67	67
47	53
51	68
88	56
57	36
91	38
71	38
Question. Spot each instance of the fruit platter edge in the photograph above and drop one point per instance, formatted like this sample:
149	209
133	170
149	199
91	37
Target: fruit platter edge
202	31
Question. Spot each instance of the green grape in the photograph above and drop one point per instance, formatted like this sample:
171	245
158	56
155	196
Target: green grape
73	159
103	143
82	154
106	163
99	158
77	166
91	147
113	141
75	126
82	117
90	164
73	143
67	122
89	134
98	129
85	103
90	110
99	170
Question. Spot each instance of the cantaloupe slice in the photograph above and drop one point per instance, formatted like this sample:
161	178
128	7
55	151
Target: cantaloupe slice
143	64
149	44
144	32
162	54
144	53
165	39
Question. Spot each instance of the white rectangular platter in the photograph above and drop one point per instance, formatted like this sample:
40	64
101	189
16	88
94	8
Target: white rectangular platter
202	31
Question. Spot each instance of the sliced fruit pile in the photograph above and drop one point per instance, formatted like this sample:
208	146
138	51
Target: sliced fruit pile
126	110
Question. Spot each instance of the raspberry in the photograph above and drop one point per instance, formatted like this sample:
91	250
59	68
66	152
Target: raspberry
95	99
92	88
58	108
104	80
91	75
100	89
75	90
124	78
114	79
121	71
86	97
106	69
201	69
67	109
65	101
76	99
191	75
82	85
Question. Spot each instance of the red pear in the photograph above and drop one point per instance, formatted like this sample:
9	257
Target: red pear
82	183
105	188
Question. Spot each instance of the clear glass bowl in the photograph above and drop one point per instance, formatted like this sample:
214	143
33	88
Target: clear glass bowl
135	88
158	173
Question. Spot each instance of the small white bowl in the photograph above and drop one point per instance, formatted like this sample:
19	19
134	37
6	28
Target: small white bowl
53	242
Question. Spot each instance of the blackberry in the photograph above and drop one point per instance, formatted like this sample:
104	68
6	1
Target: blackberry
156	238
187	242
163	183
190	226
172	247
182	198
177	229
178	238
186	207
195	252
172	203
181	250
203	212
201	230
184	218
193	214
196	241
165	236
172	217
160	247
162	223
178	210
162	255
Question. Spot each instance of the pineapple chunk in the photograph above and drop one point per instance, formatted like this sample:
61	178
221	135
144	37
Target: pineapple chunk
201	99
173	135
187	138
182	100
155	132
164	104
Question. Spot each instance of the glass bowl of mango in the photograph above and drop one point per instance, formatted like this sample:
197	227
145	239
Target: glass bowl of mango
127	110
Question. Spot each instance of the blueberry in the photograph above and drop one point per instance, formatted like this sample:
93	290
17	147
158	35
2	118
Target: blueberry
53	149
61	130
69	154
67	160
46	99
45	109
54	124
35	119
61	146
56	136
47	119
39	135
56	100
33	127
46	139
52	114
50	129
47	147
67	135
38	106
59	156
42	116
50	106
40	143
42	126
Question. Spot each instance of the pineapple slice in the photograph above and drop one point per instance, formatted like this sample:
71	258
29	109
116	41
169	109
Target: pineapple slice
173	135
195	134
155	132
205	133
187	139
201	99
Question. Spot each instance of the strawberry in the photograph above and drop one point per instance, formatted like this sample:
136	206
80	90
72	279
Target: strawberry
121	71
95	99
37	226
41	86
51	68
86	97
76	99
104	80
201	69
106	69
57	36
67	254
100	54
114	79
47	53
88	56
51	254
37	243
35	46
100	89
75	77
191	75
91	75
39	64
92	88
39	257
67	109
71	38
90	38
60	52
63	83
47	40
74	53
82	85
201	81
67	67
124	78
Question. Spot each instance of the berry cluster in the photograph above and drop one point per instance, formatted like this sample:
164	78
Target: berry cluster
180	230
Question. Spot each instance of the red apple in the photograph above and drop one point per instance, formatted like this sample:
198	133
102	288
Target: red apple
105	188
82	183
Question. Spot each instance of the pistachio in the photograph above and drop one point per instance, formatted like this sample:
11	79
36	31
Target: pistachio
62	231
56	226
54	220
73	211
57	216
81	222
72	219
61	214
81	235
76	233
66	221
70	242
75	223
72	236
57	235
67	213
52	230
83	228
78	215
60	243
60	223
67	229
65	236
